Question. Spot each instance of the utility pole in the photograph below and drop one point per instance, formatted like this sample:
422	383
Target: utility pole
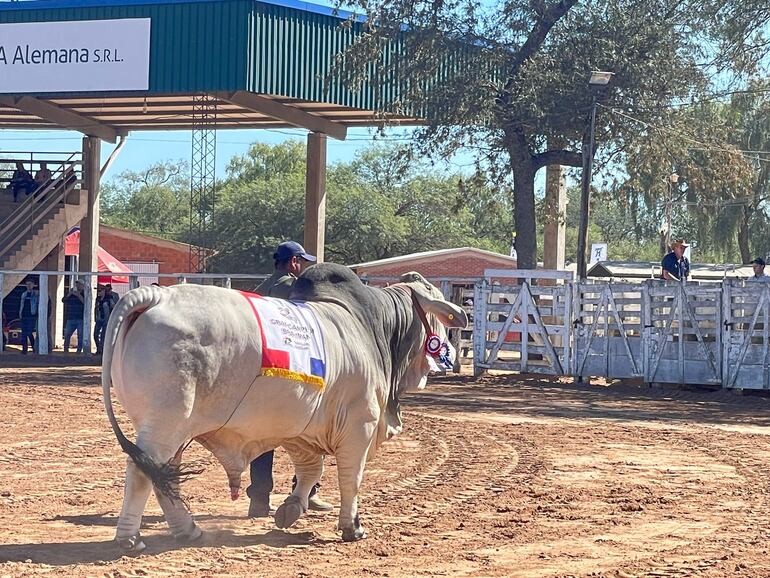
596	82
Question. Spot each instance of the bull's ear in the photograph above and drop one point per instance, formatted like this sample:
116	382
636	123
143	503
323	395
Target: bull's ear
414	277
449	314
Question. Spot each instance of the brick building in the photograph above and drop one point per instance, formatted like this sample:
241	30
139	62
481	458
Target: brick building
466	263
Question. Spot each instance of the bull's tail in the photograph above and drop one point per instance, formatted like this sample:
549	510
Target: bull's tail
164	476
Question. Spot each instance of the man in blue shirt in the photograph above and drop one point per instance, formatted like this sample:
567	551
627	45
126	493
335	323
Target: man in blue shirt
758	265
676	267
28	315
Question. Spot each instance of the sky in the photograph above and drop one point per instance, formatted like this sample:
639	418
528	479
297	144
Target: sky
142	149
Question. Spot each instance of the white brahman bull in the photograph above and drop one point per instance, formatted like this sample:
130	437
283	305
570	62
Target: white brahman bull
185	362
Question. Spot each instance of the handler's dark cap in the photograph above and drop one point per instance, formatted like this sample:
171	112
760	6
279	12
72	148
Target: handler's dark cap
289	249
758	261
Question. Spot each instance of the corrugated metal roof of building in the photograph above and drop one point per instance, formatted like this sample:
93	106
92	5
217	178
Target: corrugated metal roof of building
282	49
651	270
438	253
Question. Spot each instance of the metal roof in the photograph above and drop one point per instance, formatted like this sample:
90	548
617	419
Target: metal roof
438	253
652	270
279	49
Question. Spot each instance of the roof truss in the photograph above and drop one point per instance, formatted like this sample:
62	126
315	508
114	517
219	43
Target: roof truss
288	114
61	117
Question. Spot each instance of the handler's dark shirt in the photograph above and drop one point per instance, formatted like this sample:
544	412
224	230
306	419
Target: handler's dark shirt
277	285
678	268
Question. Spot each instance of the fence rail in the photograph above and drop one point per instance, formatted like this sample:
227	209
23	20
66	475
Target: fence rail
51	286
710	334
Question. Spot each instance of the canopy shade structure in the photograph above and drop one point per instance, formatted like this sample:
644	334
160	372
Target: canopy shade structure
267	63
106	262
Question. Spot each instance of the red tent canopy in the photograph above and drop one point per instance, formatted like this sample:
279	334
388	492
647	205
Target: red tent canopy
106	262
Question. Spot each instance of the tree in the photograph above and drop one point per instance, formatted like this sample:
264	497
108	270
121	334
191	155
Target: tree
375	208
154	201
508	80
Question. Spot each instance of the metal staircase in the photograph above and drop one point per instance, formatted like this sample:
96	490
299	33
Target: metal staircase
34	227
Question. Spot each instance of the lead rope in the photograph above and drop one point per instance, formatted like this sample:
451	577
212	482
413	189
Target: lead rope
253	381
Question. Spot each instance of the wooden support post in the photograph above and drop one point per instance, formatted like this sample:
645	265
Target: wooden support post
315	195
54	261
42	315
2	335
89	230
555	224
89	226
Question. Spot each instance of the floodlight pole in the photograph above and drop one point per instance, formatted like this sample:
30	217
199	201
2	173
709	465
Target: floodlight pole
588	162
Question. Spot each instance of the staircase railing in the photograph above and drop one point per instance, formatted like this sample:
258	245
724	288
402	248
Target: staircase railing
36	207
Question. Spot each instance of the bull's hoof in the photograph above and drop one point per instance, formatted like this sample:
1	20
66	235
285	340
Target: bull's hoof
288	512
190	535
353	534
131	545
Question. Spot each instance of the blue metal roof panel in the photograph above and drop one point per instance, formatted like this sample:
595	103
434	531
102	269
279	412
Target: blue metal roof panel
54	4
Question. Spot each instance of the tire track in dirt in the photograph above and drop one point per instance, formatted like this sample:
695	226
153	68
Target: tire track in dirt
456	494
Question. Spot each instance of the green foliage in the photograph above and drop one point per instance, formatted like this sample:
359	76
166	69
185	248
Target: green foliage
155	201
376	208
508	80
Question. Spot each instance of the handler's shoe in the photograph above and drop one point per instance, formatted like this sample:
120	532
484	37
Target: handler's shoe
317	504
260	510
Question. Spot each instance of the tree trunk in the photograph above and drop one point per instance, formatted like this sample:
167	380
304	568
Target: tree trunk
523	169
743	235
524	214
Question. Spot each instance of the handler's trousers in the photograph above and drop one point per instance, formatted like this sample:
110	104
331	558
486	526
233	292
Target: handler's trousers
261	473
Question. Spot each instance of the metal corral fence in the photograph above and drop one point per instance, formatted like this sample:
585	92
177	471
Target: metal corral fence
52	288
661	332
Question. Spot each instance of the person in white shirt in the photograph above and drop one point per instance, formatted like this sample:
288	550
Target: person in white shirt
758	265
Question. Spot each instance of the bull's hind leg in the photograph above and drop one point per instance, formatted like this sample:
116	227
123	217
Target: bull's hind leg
138	487
137	491
178	517
308	467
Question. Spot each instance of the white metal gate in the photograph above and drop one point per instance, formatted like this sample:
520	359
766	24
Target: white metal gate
608	330
717	334
522	327
683	333
746	362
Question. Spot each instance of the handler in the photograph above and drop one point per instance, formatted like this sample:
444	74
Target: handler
290	258
676	267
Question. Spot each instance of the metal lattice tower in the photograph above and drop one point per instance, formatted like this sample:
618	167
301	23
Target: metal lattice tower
202	178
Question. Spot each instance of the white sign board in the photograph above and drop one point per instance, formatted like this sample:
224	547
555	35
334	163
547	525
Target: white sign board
598	252
78	56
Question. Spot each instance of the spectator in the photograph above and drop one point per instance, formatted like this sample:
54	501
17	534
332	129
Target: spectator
290	257
676	267
74	306
21	181
100	319
758	265
105	303
28	315
43	175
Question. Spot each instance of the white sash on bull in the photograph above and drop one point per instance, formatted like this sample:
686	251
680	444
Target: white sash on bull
292	342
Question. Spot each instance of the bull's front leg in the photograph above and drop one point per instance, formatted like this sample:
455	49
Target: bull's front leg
351	460
308	467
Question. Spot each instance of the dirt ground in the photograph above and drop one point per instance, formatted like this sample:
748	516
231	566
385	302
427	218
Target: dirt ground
502	477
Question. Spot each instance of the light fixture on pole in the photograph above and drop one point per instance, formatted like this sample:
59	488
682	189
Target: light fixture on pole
596	82
671	181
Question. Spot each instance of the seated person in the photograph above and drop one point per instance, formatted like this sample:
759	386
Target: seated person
43	175
21	181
